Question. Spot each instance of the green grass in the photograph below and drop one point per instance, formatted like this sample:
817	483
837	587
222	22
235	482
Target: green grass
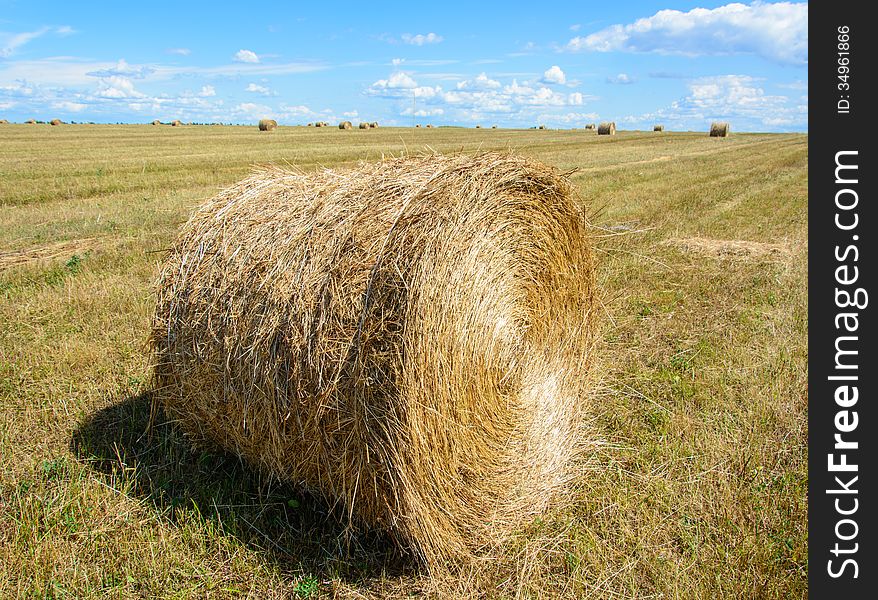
697	490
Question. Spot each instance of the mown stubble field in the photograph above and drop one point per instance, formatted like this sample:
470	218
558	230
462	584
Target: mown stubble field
697	486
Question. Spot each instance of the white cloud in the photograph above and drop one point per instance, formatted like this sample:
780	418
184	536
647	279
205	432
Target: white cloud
554	74
11	42
777	31
429	112
421	39
246	56
117	86
621	79
575	27
397	61
179	51
401	85
481	82
740	99
258	89
575	99
207	91
69	106
123	69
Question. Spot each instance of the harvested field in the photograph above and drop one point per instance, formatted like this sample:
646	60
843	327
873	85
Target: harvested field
696	487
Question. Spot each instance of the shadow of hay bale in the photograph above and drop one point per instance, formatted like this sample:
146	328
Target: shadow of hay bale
290	527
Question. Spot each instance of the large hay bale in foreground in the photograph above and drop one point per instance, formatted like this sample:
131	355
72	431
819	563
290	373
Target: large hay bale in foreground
607	128
345	125
408	339
719	129
267	125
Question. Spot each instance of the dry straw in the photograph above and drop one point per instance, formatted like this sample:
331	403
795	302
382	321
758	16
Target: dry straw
607	128
267	125
719	129
363	126
658	128
408	339
345	125
156	122
4	122
56	122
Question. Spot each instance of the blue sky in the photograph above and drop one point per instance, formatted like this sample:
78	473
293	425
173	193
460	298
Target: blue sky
562	64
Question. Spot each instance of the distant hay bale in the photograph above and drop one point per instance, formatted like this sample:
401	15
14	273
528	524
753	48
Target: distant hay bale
719	129
429	126
658	128
156	122
408	339
373	125
478	126
607	128
310	125
493	127
590	126
56	122
541	127
30	122
176	123
363	126
4	122
319	124
345	125
267	125
418	125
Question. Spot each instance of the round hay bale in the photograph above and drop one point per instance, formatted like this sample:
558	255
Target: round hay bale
156	122
176	123
4	122
590	126
363	126
478	126
310	125
56	122
418	125
493	127
30	122
607	128
429	126
658	128
408	339
720	129
345	125
541	127
267	125
373	125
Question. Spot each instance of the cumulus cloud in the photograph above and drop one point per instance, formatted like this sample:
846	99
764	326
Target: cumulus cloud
246	56
117	87
421	39
401	85
258	89
480	82
68	106
207	91
554	74
778	32
621	79
740	99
